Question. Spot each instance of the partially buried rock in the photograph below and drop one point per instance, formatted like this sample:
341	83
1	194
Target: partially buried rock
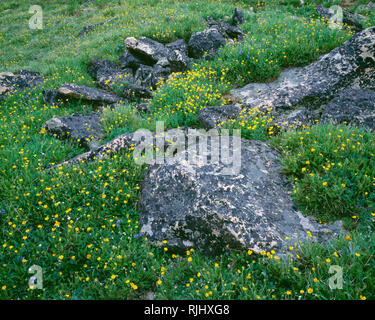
354	107
84	129
211	117
24	79
86	93
207	205
108	75
205	42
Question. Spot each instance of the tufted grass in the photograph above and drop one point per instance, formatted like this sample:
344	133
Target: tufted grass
80	223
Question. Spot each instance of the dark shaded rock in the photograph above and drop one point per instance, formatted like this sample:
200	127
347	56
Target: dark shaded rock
238	17
144	76
149	77
135	92
179	44
128	60
209	205
50	96
22	80
146	49
89	94
212	116
84	129
207	41
107	74
351	65
160	74
225	29
354	107
349	18
178	61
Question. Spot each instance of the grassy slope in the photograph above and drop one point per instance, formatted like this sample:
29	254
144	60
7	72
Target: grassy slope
80	223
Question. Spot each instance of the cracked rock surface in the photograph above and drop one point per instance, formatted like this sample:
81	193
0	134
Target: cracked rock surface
193	204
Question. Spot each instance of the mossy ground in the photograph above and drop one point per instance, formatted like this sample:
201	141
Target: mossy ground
80	223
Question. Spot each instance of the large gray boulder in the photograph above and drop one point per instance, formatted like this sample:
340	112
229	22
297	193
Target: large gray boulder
354	107
350	66
211	205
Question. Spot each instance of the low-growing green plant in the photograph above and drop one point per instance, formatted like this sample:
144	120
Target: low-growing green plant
333	169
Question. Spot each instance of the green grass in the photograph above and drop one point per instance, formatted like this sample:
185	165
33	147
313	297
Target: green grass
80	223
333	169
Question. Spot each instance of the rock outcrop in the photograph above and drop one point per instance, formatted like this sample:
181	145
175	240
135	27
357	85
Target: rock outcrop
23	79
194	204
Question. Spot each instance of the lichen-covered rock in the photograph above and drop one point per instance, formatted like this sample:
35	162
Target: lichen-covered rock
207	41
94	95
351	65
354	107
179	44
210	117
23	79
84	129
107	74
194	204
146	49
